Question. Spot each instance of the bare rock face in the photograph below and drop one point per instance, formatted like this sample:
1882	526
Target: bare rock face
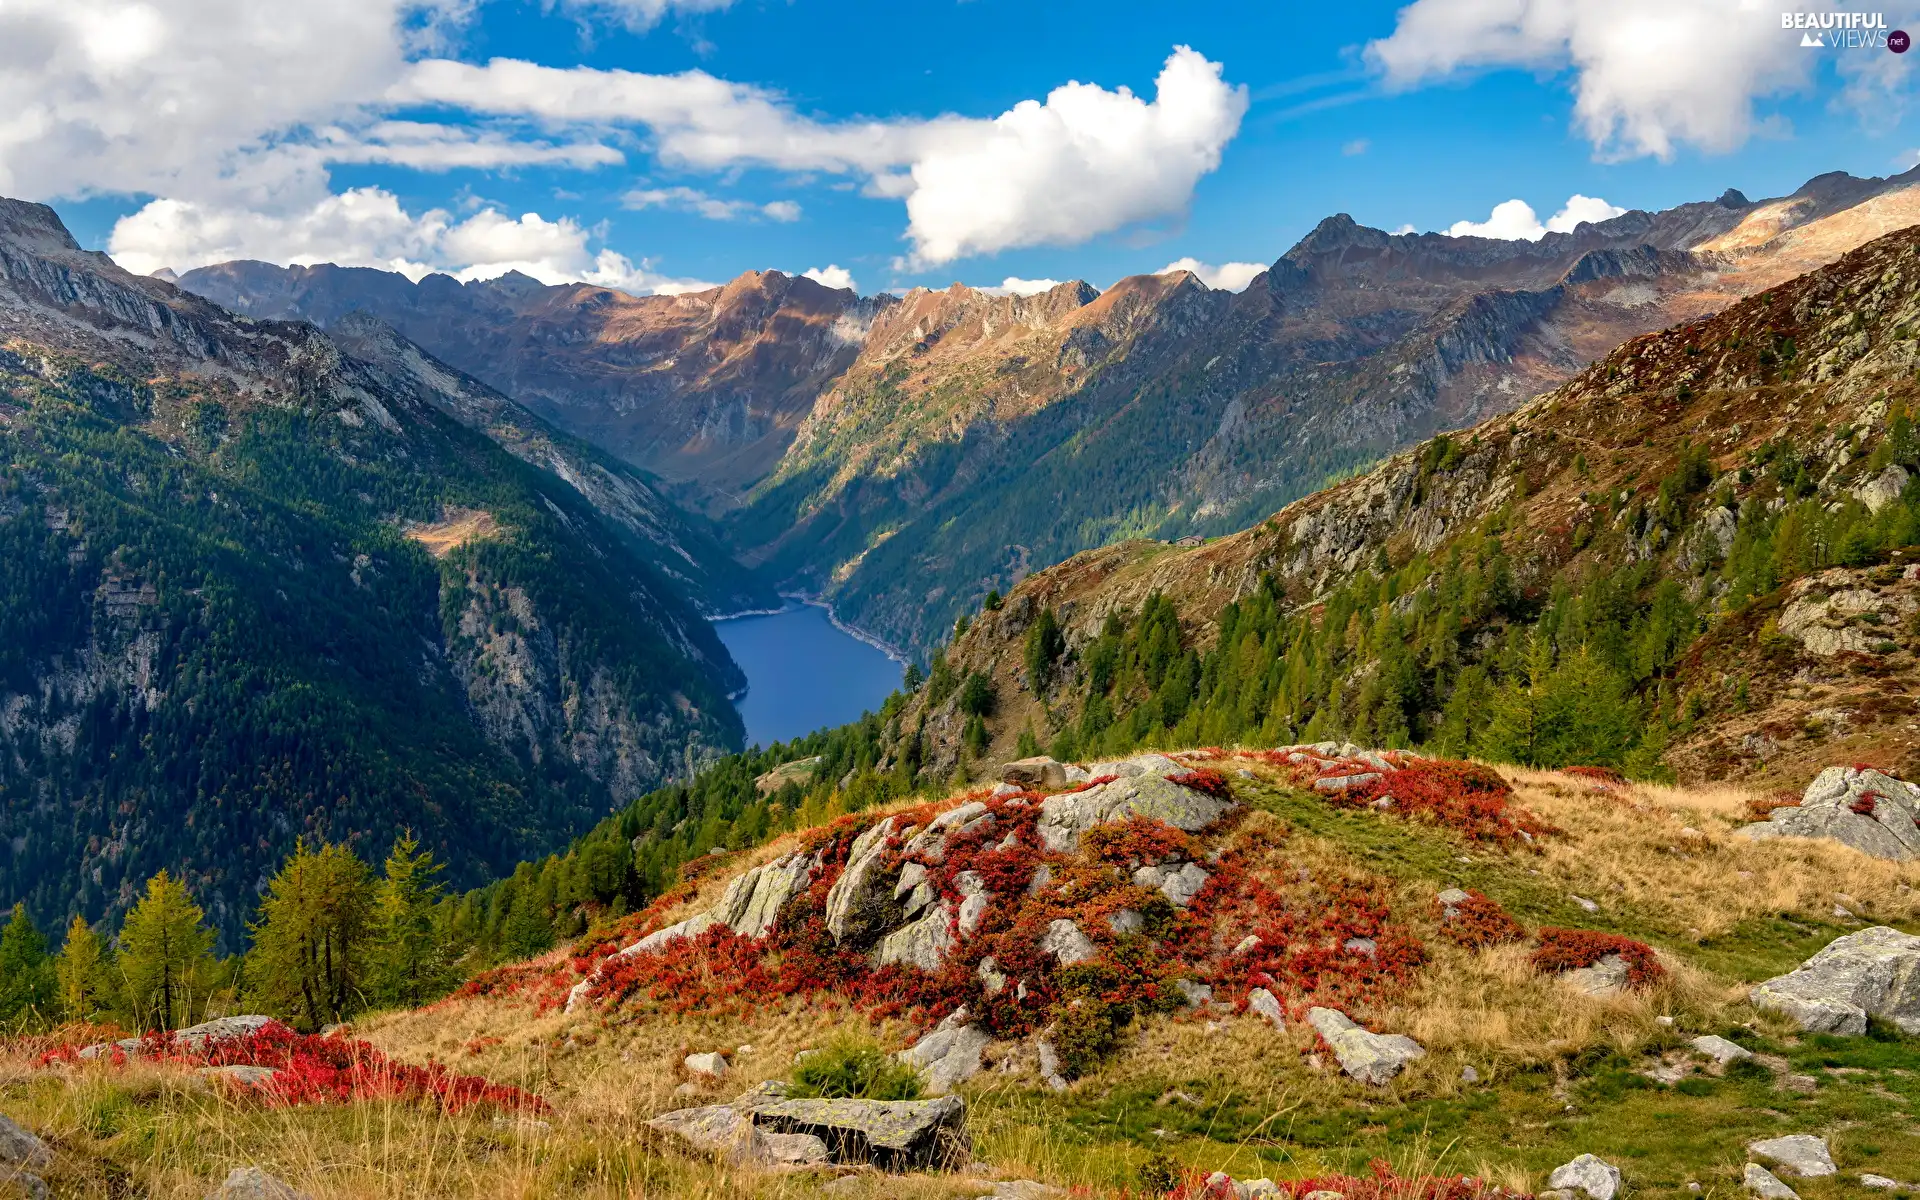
950	1054
1871	811
924	943
1064	818
752	903
1875	972
1067	944
1369	1057
894	1135
860	905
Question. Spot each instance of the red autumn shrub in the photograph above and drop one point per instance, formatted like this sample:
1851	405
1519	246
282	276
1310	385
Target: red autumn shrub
1562	950
1479	921
1135	841
1208	780
324	1070
1865	803
1759	808
1381	1183
1466	797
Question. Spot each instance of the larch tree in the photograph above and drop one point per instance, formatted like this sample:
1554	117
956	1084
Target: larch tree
27	993
310	944
410	961
81	973
164	954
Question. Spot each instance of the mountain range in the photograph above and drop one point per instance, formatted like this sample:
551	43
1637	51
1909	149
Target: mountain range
903	456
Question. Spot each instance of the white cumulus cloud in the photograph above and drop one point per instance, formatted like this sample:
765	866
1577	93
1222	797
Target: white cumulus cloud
1512	220
641	15
1649	75
830	276
1227	277
1085	161
1013	285
368	227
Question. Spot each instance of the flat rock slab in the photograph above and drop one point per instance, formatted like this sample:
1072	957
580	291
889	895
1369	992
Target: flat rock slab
1595	1177
1875	972
1762	1183
1369	1057
1719	1049
1801	1153
726	1133
1869	810
894	1135
1064	818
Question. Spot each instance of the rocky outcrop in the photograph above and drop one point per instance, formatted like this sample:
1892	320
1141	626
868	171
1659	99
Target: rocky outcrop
894	1135
1872	973
950	1054
1369	1057
1064	818
752	903
860	905
724	1132
1591	1177
1857	806
1802	1154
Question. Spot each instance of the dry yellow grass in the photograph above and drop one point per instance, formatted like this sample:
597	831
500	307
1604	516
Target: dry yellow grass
456	527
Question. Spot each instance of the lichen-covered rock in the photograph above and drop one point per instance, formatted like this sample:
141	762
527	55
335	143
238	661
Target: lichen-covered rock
752	903
860	905
931	843
894	1135
1801	1153
1263	1003
1038	772
1369	1057
1719	1049
1762	1183
950	1054
1595	1177
729	1133
924	943
1869	810
1875	972
711	1065
1064	818
1178	882
1067	944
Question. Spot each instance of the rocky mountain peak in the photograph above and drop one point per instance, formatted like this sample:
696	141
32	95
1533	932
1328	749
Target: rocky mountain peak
34	227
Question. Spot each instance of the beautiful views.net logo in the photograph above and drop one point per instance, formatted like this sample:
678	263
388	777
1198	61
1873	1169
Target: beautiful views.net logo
1846	31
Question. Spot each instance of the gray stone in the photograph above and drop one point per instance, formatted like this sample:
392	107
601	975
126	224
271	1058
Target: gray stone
1064	818
1719	1049
241	1076
991	977
1067	944
1244	945
1196	994
1608	977
1369	1057
914	889
1324	1195
692	927
252	1183
1469	1075
222	1029
1883	489
1262	1001
1264	1189
712	1064
1596	1177
1178	882
1761	1182
1346	783
1021	1189
925	943
1801	1153
1042	876
1033	773
729	1133
974	899
948	1055
1586	904
894	1135
751	903
1875	972
18	1148
1361	945
1126	920
1453	898
1831	808
860	904
1880	1182
1049	1065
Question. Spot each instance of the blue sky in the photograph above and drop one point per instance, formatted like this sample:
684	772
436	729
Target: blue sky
257	128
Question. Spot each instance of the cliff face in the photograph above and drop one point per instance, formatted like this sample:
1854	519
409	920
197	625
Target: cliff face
902	458
259	587
1791	402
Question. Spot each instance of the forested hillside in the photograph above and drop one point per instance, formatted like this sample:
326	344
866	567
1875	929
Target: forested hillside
252	591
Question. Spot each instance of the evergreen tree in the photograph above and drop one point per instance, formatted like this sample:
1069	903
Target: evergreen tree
410	960
1045	644
164	954
311	941
81	972
28	995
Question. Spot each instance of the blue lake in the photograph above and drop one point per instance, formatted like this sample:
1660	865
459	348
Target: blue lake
803	673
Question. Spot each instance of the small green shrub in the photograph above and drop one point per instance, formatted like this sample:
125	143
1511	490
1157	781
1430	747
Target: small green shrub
852	1068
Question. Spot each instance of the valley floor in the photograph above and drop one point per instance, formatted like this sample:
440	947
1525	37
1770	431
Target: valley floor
1554	1073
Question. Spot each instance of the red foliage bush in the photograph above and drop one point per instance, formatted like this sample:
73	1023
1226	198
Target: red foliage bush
1759	808
1208	780
1466	797
1563	950
1865	803
325	1070
1382	1183
1478	921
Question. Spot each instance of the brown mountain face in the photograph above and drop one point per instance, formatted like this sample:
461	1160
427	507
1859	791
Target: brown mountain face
904	457
1803	647
704	388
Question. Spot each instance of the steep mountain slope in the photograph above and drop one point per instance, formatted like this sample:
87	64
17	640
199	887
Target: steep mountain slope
904	458
1714	528
256	588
